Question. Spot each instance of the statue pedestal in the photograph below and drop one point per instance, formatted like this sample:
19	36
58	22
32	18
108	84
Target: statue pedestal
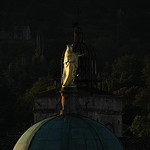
69	100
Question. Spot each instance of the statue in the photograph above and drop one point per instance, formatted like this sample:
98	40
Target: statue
70	67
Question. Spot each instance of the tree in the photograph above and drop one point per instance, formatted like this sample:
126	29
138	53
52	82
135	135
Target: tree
7	106
18	75
128	93
42	84
126	72
141	125
25	103
143	97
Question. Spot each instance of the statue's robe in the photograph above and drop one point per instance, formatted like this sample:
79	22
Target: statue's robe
70	67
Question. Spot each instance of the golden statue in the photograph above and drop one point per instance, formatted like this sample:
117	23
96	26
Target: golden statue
70	67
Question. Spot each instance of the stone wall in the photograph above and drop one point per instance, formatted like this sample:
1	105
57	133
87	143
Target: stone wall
45	107
105	109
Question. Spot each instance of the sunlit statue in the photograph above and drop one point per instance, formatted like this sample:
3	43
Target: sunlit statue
70	67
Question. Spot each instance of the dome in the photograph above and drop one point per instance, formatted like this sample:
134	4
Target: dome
68	132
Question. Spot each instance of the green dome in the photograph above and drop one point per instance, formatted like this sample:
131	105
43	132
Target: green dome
68	132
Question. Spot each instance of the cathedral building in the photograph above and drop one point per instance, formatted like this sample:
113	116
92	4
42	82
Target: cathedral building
93	103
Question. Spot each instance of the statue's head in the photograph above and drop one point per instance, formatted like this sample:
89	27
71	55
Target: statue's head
70	47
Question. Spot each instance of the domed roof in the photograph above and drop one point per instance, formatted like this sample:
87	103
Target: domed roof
68	132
